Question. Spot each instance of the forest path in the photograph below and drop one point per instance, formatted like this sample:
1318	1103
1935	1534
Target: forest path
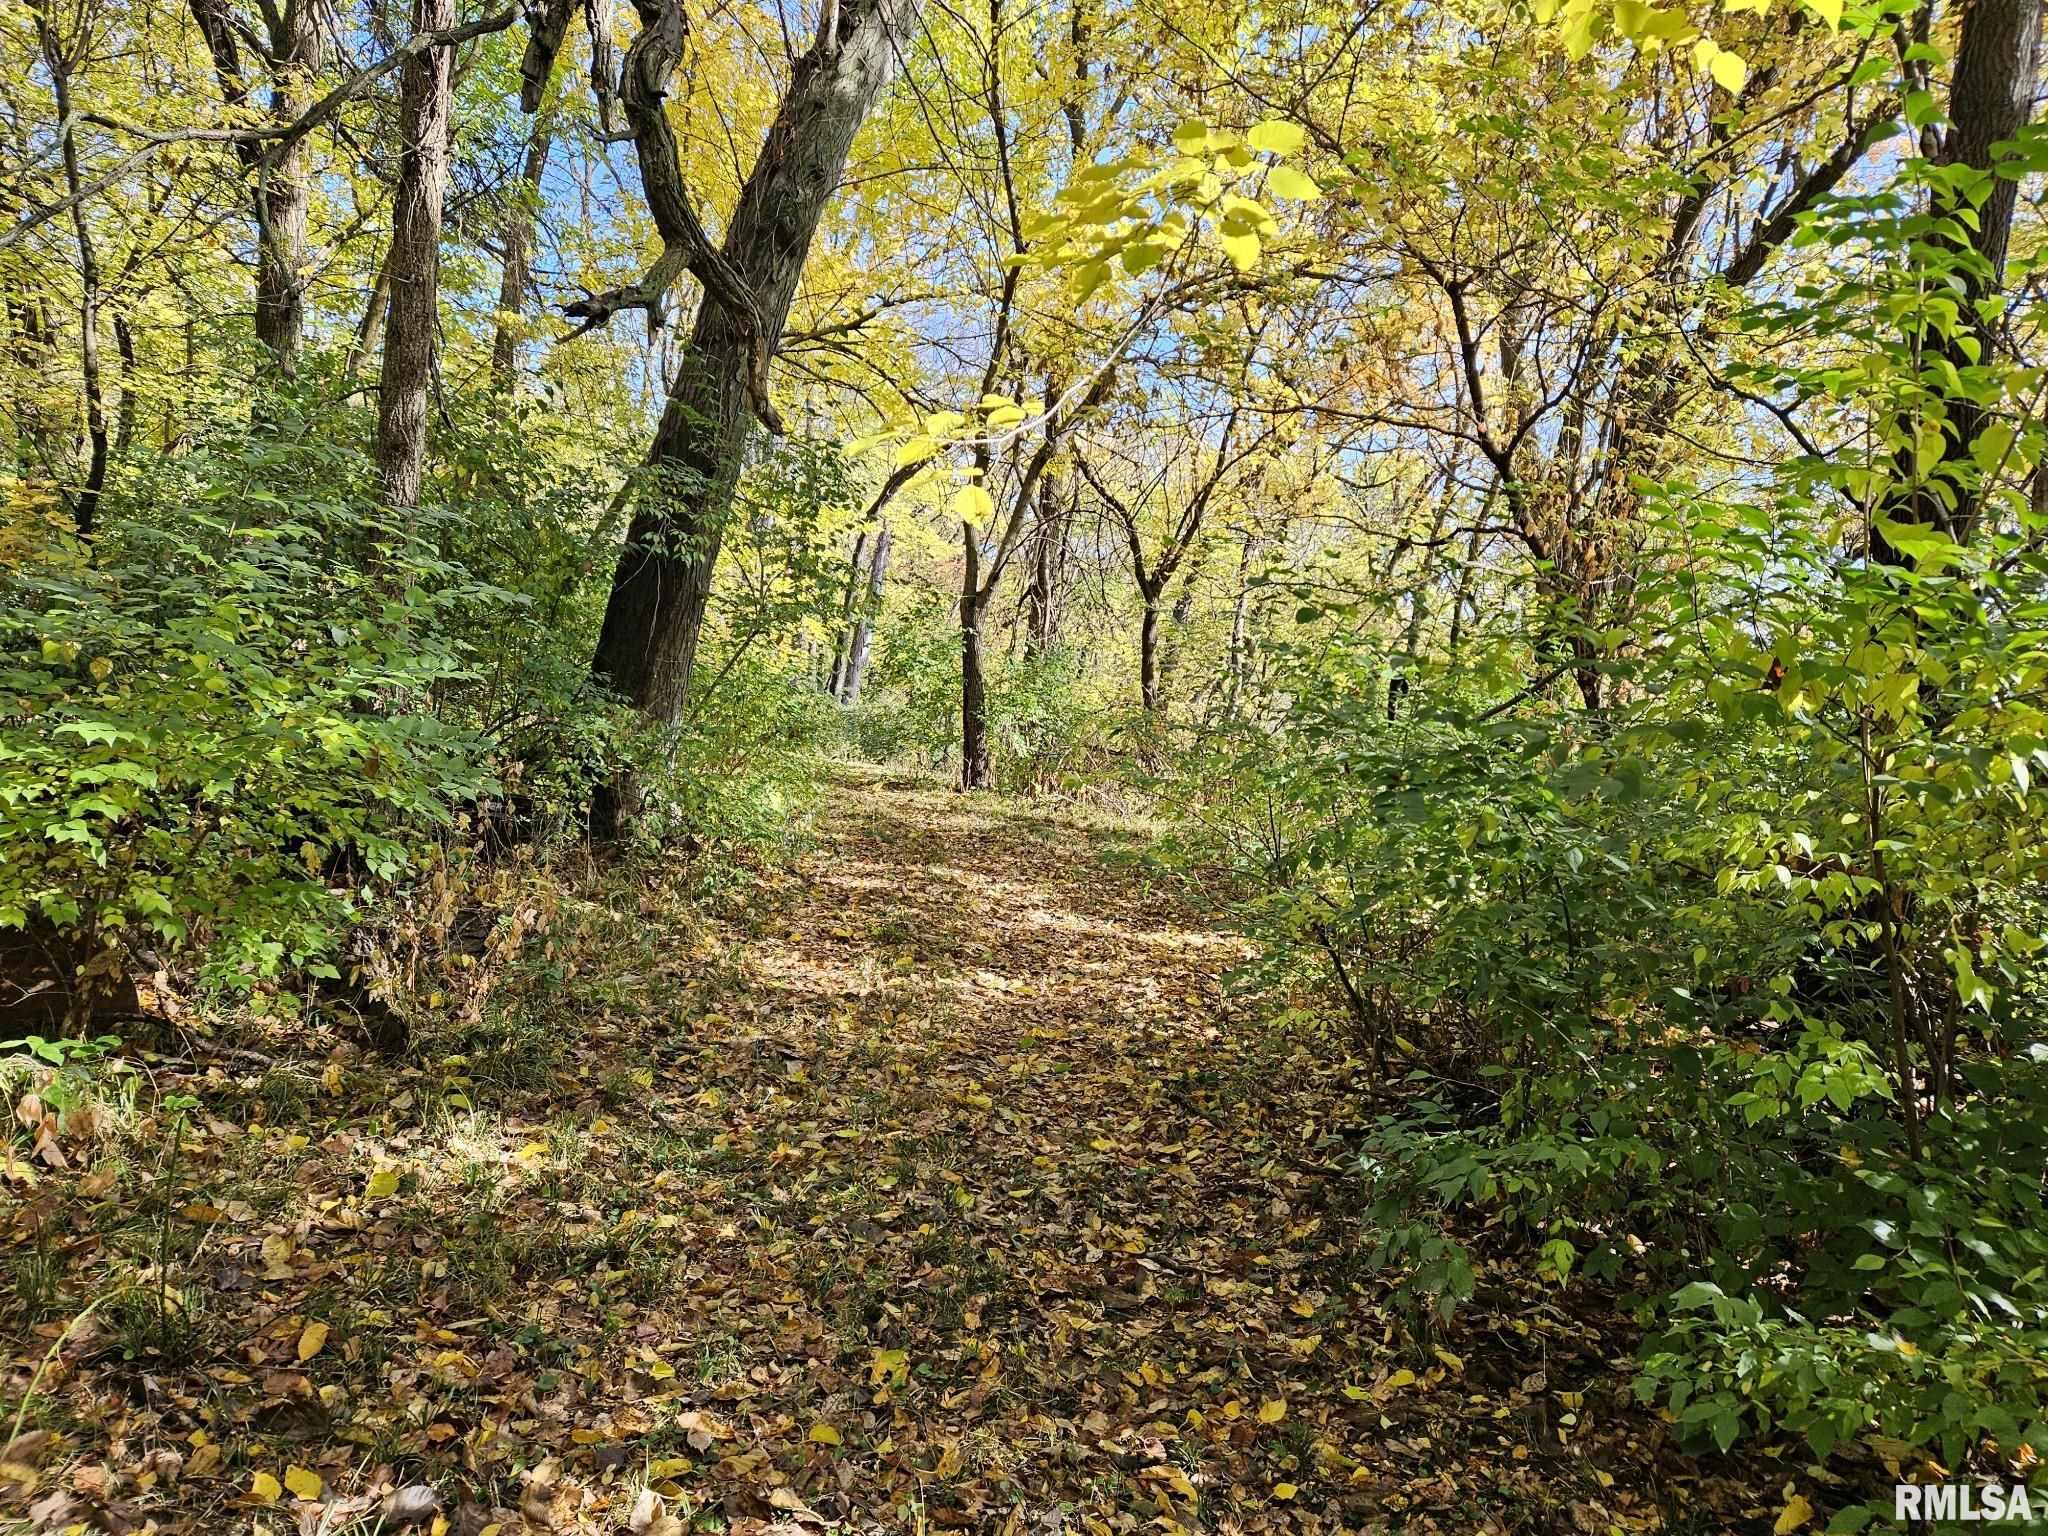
994	1213
1009	1194
930	1182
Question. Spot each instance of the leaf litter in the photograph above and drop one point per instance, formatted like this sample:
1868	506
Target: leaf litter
931	1181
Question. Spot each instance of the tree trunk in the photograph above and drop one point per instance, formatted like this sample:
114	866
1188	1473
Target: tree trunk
976	769
284	191
1148	653
85	505
124	343
1048	562
369	337
662	582
1240	612
32	342
415	260
517	277
864	623
847	603
1991	97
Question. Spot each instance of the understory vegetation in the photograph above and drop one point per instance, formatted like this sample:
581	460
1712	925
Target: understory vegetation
870	766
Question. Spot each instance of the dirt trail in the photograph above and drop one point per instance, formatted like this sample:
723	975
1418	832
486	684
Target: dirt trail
935	1183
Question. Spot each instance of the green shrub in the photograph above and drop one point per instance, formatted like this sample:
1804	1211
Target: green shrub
215	727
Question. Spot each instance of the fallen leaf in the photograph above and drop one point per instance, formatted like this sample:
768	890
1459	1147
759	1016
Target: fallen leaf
312	1341
266	1488
411	1504
1795	1514
304	1484
1273	1410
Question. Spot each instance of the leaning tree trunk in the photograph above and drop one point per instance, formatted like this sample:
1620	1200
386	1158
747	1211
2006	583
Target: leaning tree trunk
847	604
662	583
864	623
517	276
414	264
369	336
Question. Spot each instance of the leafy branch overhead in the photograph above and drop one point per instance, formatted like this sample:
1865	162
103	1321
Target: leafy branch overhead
1341	829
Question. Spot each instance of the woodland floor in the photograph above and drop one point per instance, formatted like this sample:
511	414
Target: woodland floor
929	1181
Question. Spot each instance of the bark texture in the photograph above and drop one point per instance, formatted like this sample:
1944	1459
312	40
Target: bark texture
85	502
662	582
292	48
1990	99
517	275
864	624
413	267
1049	548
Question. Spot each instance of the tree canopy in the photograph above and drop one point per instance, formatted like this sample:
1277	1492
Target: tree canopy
1531	514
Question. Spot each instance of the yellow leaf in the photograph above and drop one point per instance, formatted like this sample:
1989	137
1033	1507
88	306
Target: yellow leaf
1401	1378
915	451
1275	137
1243	250
312	1341
1272	1411
974	505
891	1365
303	1484
1284	1490
1728	69
265	1487
1295	186
383	1184
825	1434
1795	1514
1829	11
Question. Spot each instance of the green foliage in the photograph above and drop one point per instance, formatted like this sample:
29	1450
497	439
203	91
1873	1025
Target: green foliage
217	723
910	702
1041	717
1726	998
1040	720
744	766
